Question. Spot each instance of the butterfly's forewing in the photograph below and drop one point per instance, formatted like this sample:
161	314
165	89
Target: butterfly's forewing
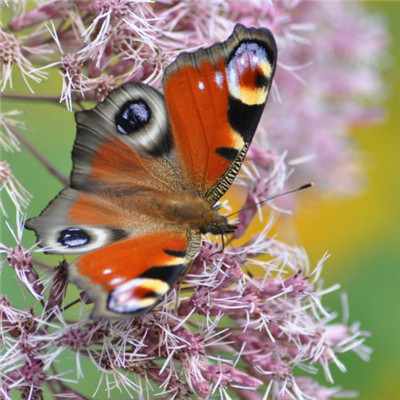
215	98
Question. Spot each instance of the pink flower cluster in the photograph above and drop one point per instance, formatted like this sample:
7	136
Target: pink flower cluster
247	322
223	333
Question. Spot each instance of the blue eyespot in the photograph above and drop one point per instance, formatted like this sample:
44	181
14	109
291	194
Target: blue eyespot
132	117
74	237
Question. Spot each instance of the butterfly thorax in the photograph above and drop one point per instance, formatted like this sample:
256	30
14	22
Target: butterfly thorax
192	211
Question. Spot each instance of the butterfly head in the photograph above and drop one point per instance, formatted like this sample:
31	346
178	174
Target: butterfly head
216	224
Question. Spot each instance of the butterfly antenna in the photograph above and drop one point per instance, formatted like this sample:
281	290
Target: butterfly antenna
302	187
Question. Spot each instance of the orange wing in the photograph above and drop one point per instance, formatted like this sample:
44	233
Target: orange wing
131	275
215	98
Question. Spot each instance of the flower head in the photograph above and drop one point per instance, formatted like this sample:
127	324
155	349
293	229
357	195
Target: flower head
12	54
8	140
16	192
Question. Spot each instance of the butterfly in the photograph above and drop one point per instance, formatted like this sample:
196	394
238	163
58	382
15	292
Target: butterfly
148	170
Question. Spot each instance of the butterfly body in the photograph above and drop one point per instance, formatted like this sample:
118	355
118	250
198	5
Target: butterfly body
148	170
191	212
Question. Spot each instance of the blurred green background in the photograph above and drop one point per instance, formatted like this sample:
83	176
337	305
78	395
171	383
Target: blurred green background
361	232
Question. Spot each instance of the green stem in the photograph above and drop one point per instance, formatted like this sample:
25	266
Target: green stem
42	264
35	97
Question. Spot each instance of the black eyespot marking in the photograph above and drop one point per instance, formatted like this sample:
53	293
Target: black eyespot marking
133	116
73	237
261	80
163	147
175	253
166	273
244	118
229	153
151	294
118	234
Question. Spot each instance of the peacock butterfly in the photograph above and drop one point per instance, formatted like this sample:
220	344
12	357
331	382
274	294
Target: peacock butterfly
148	170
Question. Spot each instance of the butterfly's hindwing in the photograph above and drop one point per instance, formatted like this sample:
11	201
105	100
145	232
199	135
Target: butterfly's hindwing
76	222
131	275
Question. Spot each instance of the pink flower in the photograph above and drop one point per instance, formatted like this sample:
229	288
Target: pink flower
14	54
16	192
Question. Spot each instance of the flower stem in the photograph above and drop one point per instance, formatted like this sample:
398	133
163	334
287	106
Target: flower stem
35	97
42	264
77	301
